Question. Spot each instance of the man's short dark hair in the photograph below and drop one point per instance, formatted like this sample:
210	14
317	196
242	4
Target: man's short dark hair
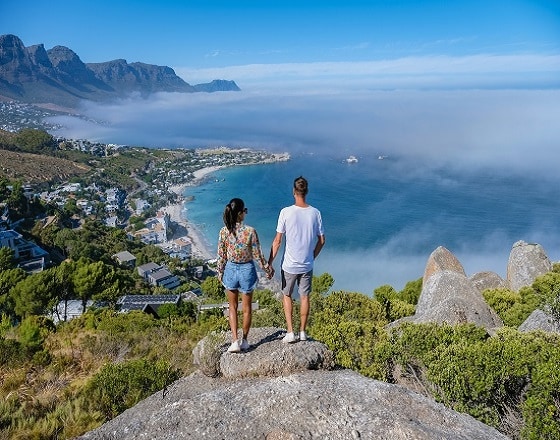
300	186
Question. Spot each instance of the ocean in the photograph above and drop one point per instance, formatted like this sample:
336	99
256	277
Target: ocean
383	216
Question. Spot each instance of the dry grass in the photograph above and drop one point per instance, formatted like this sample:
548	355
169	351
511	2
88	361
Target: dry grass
35	168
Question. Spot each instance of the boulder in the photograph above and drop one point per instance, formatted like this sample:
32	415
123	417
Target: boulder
442	259
487	280
527	261
450	297
267	355
334	405
540	320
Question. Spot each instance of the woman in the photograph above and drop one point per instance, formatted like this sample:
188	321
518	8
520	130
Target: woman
238	248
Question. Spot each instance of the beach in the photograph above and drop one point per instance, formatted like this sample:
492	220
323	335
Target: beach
180	225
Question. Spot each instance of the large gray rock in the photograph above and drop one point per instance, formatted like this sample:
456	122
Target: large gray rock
450	297
442	260
310	405
487	280
539	320
527	261
267	355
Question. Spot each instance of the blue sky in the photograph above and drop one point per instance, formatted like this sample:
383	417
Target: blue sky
284	38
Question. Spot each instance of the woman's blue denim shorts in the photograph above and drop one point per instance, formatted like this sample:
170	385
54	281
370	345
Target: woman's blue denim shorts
240	276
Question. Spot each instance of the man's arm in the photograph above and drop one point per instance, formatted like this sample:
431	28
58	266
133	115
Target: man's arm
318	246
276	243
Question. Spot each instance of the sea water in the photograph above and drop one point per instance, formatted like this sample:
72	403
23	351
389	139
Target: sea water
383	217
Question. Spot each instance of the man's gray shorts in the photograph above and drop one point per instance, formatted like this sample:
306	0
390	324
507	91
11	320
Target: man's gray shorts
303	280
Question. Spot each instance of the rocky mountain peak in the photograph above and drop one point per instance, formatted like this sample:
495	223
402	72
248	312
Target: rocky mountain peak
59	76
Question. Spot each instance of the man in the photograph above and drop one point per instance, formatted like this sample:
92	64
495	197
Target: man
302	225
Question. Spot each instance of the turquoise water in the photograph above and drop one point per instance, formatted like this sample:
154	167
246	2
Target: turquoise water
383	218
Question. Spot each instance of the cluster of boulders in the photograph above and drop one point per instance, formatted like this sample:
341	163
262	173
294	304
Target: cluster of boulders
450	296
278	391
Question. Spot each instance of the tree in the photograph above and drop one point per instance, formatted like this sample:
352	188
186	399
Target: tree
17	200
7	260
8	280
33	295
33	140
213	288
92	279
64	280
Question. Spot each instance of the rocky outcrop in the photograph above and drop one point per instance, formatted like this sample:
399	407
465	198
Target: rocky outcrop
527	261
448	296
254	399
267	355
539	320
442	260
487	280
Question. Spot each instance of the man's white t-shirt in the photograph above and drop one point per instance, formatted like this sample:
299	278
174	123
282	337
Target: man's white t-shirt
301	227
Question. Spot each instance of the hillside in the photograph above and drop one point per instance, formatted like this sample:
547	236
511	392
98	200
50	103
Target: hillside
38	168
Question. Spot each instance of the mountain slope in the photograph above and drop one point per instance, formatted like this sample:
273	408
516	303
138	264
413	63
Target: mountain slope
58	76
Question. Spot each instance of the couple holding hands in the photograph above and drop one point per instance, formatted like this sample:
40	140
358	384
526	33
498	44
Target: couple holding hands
239	248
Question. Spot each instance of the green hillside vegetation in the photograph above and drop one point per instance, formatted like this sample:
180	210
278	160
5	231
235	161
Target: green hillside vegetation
59	381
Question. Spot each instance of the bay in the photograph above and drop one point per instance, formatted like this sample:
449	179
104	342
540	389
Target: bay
383	217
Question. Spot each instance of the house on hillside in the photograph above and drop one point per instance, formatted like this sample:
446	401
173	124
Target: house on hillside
125	259
30	257
146	303
180	248
158	275
67	310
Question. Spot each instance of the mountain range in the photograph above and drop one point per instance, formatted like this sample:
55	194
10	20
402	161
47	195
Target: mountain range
58	76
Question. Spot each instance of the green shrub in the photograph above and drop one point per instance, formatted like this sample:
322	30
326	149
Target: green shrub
32	332
512	307
11	353
547	288
541	409
118	387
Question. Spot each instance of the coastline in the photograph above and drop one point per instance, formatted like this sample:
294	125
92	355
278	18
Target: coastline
181	226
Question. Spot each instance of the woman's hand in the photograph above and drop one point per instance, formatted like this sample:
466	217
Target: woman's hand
269	272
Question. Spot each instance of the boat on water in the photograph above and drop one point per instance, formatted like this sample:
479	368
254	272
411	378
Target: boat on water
352	159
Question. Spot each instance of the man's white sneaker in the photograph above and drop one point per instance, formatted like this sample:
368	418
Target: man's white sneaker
302	336
289	338
244	345
234	347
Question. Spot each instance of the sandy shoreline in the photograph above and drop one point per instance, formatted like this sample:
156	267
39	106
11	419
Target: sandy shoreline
181	226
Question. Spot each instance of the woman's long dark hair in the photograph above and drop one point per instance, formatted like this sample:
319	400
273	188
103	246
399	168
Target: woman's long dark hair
231	213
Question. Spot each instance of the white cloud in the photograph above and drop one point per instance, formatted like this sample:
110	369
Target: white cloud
528	70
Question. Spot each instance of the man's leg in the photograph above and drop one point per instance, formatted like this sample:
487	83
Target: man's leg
305	283
304	312
287	303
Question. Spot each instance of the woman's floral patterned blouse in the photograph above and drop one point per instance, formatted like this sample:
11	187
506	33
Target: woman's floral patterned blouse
242	247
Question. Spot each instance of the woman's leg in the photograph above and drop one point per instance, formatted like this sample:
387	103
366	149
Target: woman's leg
233	299
247	299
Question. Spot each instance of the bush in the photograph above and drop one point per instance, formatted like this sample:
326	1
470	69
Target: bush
118	387
512	307
11	353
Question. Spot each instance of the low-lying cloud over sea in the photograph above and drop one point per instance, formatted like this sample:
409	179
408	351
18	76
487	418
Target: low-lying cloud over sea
483	115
